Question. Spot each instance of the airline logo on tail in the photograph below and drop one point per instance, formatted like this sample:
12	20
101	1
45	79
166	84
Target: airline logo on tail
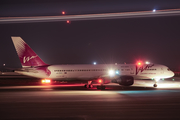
26	55
26	59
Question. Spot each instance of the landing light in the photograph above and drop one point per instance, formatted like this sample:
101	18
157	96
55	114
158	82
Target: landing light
94	63
154	10
111	72
147	62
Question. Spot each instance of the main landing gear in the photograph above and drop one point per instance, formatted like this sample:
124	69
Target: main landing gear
88	85
99	87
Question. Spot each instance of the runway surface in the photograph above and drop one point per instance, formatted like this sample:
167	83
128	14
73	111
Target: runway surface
73	102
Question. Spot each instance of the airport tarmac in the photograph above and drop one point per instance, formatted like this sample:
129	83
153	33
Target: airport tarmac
74	102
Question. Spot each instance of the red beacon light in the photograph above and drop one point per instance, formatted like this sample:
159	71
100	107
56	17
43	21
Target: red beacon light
100	80
68	21
139	63
63	12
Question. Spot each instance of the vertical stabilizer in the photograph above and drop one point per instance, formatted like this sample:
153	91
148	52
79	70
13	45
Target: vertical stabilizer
26	55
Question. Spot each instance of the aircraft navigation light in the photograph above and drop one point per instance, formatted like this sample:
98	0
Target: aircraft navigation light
154	10
94	63
63	12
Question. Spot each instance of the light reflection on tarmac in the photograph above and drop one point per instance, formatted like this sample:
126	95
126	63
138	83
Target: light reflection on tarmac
73	102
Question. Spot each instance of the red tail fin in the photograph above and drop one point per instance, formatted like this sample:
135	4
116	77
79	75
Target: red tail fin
26	55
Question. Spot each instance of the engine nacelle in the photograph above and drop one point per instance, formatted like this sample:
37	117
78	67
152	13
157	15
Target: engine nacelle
126	80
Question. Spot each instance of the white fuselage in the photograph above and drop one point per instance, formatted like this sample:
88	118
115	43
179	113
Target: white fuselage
111	71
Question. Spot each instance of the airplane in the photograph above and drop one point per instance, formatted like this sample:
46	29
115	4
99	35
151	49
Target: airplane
122	74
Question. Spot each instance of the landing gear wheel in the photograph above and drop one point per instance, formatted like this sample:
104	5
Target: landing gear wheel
101	87
90	86
85	86
155	85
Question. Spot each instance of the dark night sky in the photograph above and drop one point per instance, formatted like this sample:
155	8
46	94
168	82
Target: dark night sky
156	39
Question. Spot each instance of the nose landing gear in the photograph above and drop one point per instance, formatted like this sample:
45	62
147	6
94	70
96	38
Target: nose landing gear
156	80
155	85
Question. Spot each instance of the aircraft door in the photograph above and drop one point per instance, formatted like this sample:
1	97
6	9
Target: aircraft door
131	70
65	74
162	71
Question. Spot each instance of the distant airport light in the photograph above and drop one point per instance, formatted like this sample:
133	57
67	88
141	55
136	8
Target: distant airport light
68	21
154	10
4	64
147	62
63	12
94	63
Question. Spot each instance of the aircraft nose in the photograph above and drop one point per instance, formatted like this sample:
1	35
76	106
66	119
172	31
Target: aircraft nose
171	74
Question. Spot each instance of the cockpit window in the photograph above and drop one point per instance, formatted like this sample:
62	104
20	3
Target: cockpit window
168	69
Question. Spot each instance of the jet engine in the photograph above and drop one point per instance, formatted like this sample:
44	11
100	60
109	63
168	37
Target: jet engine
126	80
